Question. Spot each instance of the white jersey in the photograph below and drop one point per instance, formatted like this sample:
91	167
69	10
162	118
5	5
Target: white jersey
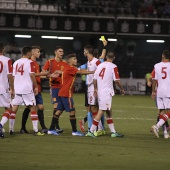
91	66
5	69
105	74
162	75
22	69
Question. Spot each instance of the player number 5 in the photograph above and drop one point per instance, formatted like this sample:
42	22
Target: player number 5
164	72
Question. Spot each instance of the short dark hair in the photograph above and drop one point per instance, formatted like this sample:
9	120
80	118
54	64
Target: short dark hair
1	47
36	47
59	47
110	55
70	56
90	49
26	49
166	54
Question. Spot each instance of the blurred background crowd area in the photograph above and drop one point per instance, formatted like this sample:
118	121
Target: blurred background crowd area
128	8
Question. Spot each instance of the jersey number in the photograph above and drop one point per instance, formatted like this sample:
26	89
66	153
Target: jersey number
20	69
101	74
1	66
164	72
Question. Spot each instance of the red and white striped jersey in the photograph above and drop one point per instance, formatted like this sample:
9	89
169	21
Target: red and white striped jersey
105	74
5	69
22	69
162	75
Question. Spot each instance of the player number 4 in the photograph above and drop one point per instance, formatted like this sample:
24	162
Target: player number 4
101	74
20	69
164	72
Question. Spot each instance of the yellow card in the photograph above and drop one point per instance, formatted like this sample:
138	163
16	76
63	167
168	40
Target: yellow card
103	38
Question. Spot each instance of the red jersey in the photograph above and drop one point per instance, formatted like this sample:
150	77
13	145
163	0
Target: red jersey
52	65
38	79
68	79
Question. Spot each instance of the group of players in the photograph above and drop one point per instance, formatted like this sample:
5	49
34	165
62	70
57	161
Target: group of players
21	83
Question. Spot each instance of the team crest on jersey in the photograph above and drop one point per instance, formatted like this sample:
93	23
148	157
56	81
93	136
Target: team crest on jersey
17	21
110	26
53	23
82	25
141	27
156	28
2	20
96	25
68	25
39	23
125	27
31	22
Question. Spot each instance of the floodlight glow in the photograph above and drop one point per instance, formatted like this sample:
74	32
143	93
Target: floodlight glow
65	38
22	36
112	39
49	37
155	41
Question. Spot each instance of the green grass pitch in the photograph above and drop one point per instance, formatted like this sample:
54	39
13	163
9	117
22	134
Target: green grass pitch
133	117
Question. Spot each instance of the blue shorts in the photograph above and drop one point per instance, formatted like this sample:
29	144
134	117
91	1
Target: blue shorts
54	95
39	99
66	103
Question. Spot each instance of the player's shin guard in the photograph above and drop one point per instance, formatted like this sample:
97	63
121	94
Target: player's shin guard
111	125
34	119
89	119
41	118
25	117
57	125
12	121
163	119
54	122
73	123
5	117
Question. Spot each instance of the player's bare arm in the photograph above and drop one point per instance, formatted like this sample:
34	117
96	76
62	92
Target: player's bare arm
153	95
103	55
11	85
122	91
95	87
85	72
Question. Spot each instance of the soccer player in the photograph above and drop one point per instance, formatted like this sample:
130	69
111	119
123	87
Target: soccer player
66	95
51	65
162	95
39	101
84	66
6	87
26	88
165	126
92	64
105	74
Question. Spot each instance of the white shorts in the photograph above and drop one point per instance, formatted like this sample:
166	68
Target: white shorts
5	100
163	103
91	99
26	99
105	103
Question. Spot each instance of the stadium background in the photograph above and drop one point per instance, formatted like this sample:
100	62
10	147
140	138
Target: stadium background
128	24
